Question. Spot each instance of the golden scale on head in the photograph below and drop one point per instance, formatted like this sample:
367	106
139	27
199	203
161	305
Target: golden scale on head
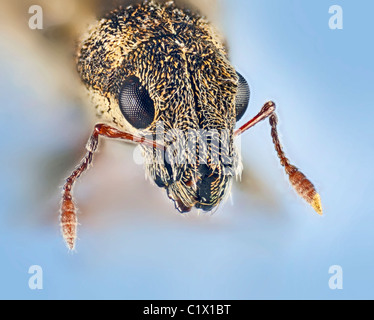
159	76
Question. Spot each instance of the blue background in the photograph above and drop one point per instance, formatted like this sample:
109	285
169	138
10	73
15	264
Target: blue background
265	242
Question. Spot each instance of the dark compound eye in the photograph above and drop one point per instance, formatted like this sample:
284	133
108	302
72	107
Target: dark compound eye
135	104
242	97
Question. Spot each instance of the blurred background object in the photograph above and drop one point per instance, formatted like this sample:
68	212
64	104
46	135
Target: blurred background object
263	243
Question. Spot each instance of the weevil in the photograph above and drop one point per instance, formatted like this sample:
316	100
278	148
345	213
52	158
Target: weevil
159	76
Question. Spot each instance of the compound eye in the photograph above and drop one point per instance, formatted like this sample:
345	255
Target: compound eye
135	104
242	97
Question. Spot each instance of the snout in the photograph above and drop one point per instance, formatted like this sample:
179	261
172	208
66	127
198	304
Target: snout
204	189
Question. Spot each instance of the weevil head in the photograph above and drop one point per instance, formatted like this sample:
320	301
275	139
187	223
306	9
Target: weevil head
163	73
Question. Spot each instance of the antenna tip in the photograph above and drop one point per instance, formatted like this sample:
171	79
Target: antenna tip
316	204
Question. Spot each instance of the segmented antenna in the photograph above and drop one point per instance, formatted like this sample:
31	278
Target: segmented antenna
298	180
68	211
